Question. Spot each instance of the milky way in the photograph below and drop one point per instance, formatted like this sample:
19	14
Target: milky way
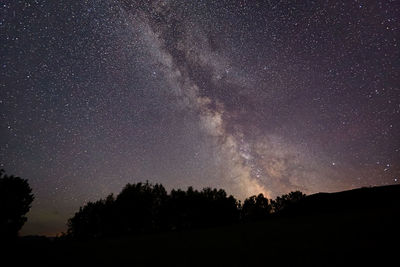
250	96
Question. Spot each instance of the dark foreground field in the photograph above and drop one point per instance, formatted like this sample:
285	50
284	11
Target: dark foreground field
359	227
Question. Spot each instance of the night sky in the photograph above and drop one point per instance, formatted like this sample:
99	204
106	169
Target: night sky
249	96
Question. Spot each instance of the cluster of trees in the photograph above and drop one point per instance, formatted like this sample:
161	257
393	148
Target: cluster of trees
15	201
144	208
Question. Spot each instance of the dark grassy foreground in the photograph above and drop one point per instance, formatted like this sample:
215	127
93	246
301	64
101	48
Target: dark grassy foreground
358	227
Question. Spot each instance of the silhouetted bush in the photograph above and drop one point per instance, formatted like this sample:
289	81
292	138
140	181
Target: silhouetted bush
15	200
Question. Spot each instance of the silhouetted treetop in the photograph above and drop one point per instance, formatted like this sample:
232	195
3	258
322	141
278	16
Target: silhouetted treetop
285	201
256	208
15	201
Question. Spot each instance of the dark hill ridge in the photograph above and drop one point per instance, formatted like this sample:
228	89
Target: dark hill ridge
366	198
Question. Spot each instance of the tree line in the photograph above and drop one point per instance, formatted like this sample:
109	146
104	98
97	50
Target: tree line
148	208
142	208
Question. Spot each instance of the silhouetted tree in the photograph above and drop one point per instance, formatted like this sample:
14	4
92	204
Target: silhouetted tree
285	201
139	207
256	208
93	220
15	201
143	207
193	209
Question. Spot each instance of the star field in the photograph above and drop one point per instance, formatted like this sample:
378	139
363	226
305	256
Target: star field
250	96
